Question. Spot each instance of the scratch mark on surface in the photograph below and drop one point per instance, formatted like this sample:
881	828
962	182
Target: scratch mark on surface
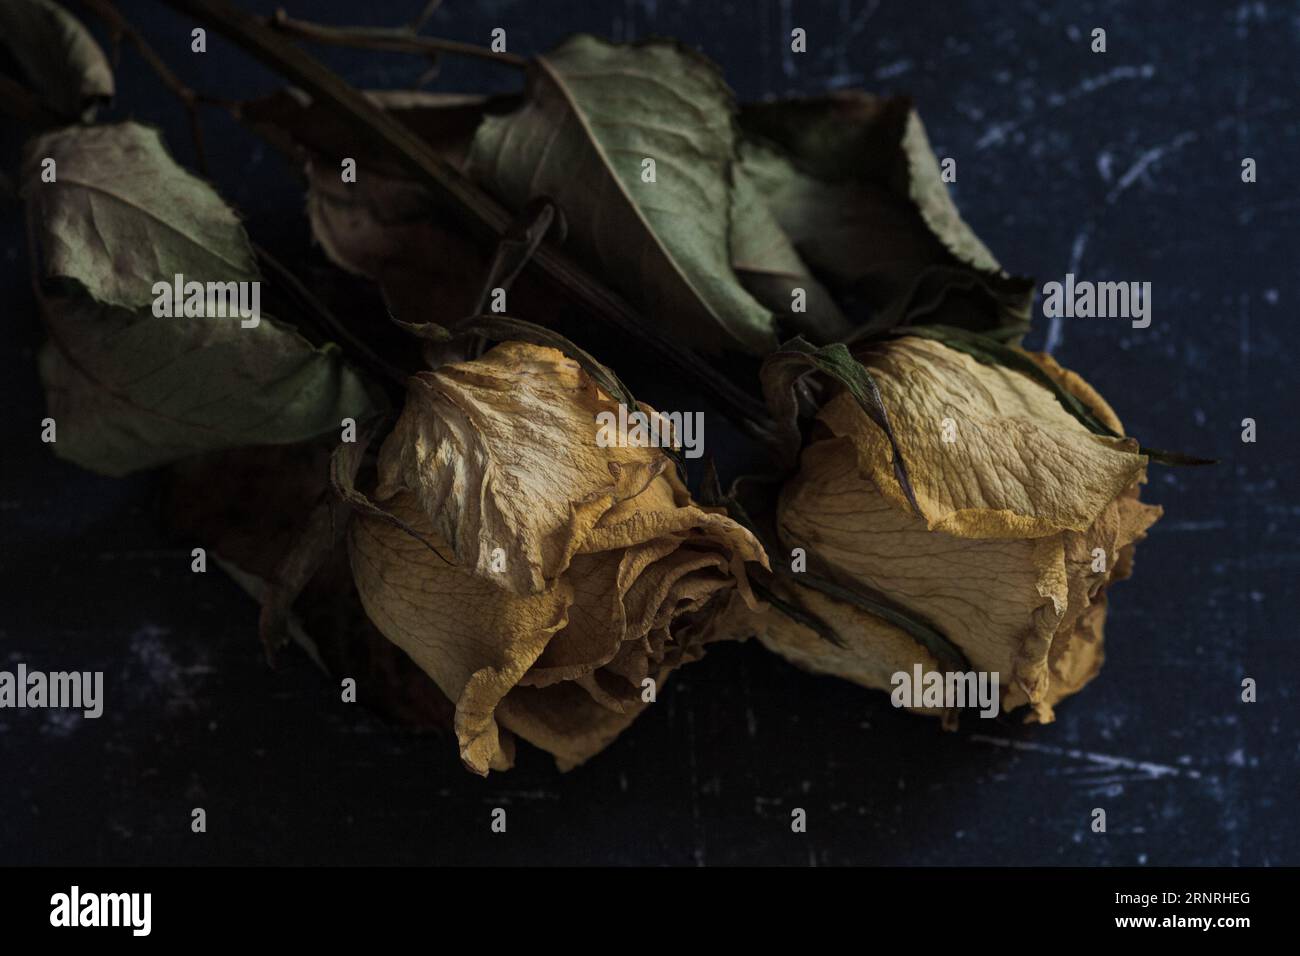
787	57
1215	524
1146	161
1148	770
998	132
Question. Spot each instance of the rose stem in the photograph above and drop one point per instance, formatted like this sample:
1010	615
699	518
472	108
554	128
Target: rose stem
477	211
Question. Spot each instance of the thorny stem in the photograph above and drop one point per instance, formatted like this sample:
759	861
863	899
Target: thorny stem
478	212
388	40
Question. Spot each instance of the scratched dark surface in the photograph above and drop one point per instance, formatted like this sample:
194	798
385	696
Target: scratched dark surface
1123	165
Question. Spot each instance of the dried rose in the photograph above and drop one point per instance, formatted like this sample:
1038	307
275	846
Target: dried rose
1026	518
565	574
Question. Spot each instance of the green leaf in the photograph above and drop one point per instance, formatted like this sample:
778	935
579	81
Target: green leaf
859	191
130	389
781	373
58	57
991	352
769	267
594	114
477	213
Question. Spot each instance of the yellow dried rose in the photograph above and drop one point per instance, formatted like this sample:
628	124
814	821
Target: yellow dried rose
1026	518
566	574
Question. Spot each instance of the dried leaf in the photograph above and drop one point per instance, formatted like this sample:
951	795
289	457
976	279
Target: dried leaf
595	113
388	230
323	530
860	193
131	389
770	268
300	125
58	57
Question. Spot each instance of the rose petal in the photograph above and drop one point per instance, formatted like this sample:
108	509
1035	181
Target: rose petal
1020	465
501	453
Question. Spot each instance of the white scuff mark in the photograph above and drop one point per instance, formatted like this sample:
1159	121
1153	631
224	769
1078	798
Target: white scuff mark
1212	525
1147	769
840	80
867	13
506	796
1145	161
1104	162
998	132
179	683
787	58
897	68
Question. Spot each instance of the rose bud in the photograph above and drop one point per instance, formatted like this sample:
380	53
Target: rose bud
1025	518
554	583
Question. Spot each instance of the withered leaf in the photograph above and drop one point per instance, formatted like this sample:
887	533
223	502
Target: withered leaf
861	195
58	57
386	226
595	115
299	124
768	265
131	389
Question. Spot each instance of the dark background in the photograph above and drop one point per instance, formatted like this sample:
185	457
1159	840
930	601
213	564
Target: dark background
1124	165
